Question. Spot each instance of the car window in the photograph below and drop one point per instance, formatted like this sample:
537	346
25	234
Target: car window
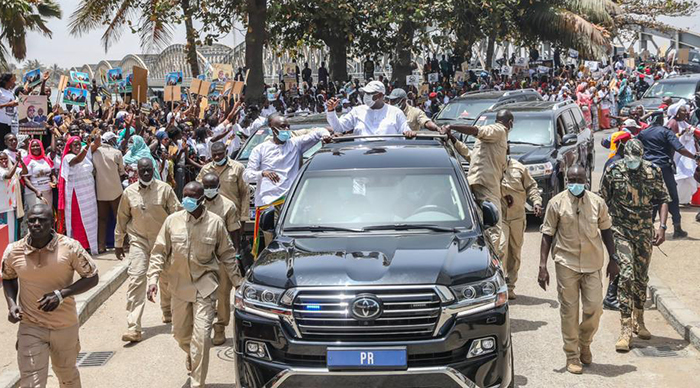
258	137
671	89
569	124
464	109
367	197
527	128
578	117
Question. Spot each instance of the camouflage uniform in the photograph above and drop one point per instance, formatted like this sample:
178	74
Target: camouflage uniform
631	196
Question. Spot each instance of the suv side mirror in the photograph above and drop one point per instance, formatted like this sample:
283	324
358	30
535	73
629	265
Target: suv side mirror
491	215
569	139
267	219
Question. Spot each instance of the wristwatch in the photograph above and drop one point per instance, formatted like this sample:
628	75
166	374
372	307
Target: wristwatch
59	296
664	227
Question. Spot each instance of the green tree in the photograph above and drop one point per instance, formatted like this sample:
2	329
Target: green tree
32	64
153	20
19	16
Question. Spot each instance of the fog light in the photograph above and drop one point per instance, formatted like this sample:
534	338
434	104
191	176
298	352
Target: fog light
256	349
482	346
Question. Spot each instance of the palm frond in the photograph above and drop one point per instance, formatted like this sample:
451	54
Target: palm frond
155	33
89	15
114	29
49	9
596	11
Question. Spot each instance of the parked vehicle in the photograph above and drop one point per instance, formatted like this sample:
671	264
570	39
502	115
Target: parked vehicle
467	107
378	276
677	87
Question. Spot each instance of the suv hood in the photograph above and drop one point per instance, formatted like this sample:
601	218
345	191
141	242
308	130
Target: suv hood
649	103
529	154
434	258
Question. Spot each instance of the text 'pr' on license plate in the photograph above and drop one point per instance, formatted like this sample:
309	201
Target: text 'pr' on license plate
386	358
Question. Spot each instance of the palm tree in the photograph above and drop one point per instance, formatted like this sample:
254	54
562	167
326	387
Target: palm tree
153	20
19	16
32	64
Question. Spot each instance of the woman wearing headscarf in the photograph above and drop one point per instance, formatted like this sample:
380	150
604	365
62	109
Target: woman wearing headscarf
76	193
583	99
40	178
138	149
11	207
677	114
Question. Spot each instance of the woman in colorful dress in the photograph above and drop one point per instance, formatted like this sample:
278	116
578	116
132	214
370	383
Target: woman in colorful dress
11	206
76	193
39	174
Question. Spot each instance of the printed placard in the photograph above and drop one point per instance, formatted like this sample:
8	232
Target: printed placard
33	78
460	77
75	96
114	76
222	71
79	78
433	78
506	70
413	80
521	62
32	114
174	78
127	84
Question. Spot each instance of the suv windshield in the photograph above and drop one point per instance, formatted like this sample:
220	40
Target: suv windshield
357	199
533	129
671	89
260	136
464	109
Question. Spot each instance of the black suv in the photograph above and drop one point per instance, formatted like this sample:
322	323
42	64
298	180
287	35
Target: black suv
378	276
467	107
548	138
677	87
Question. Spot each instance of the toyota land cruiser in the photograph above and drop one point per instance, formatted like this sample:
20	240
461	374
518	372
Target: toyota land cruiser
378	276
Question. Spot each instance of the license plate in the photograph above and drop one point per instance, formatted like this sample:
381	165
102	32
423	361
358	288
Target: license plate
377	358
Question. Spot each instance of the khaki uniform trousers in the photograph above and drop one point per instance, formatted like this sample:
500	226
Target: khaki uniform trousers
589	287
483	193
34	346
138	284
192	323
223	296
513	234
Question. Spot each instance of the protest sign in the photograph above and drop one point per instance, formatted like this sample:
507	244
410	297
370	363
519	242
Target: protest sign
290	83
412	80
32	114
521	62
237	89
127	84
228	87
32	78
222	71
79	78
573	54
199	87
433	78
542	69
423	90
172	93
290	70
140	87
173	78
214	94
271	94
683	56
114	76
592	65
506	70
75	96
460	76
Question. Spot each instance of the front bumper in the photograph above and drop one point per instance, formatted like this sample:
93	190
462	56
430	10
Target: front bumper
436	362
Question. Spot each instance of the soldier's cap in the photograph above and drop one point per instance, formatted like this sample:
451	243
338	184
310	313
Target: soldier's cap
634	150
397	94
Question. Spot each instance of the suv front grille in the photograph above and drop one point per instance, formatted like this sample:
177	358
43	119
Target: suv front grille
407	314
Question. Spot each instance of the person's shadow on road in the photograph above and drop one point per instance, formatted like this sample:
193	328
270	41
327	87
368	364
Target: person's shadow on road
519	325
151	332
524	300
605	370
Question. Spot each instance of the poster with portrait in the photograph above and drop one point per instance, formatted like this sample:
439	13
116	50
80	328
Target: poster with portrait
79	78
174	78
413	80
573	54
521	62
222	71
75	96
506	70
33	78
127	84
290	69
114	76
32	114
214	94
433	78
290	84
460	77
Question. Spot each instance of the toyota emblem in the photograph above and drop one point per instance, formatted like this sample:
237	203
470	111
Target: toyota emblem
366	307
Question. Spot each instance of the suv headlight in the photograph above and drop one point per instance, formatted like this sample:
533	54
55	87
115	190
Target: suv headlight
480	296
540	169
266	301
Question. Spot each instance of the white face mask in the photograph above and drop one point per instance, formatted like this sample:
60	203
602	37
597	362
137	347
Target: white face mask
145	183
211	193
367	100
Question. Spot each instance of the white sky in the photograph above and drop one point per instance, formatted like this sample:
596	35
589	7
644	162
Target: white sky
68	51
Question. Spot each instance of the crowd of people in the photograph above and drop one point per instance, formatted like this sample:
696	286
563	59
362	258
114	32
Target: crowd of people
161	181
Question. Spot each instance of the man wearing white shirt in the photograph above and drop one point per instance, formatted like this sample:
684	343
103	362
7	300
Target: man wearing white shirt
274	164
268	109
374	117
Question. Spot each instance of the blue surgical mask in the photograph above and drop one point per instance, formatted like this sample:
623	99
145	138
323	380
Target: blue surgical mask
633	164
576	188
222	161
190	204
283	136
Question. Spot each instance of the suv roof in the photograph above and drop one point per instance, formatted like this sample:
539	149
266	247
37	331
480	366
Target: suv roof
385	152
532	106
495	94
681	78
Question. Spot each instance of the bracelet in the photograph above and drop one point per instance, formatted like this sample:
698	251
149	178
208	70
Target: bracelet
60	297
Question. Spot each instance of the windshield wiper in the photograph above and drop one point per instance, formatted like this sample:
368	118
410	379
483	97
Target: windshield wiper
524	142
411	226
319	228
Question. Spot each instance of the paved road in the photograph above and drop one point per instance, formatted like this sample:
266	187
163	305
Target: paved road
539	359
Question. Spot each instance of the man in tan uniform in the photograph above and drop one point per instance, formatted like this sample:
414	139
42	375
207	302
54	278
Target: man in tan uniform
230	175
142	211
517	187
222	207
572	221
417	119
488	163
194	242
43	265
109	170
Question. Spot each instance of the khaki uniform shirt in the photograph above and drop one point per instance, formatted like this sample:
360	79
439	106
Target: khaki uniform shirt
518	183
109	168
416	117
232	185
41	271
488	157
462	149
225	209
142	211
192	249
575	224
